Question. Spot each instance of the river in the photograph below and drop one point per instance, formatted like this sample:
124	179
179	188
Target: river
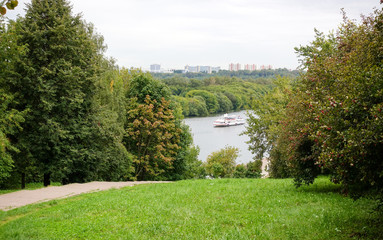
211	139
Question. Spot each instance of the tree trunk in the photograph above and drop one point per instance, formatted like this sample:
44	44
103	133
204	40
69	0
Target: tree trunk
23	180
47	179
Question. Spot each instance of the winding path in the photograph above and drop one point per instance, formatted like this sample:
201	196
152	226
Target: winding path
21	198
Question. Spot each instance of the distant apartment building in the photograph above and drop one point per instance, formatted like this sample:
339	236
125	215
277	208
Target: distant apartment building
250	67
235	67
266	67
205	69
155	68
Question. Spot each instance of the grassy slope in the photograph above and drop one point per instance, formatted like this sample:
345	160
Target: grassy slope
198	209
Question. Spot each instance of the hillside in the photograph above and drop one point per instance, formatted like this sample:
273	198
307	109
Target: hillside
200	209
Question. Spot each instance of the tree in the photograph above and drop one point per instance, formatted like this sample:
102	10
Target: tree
57	84
222	163
339	106
265	127
186	164
115	162
152	132
210	99
152	137
10	118
254	169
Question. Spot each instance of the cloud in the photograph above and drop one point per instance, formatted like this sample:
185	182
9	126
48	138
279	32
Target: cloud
215	32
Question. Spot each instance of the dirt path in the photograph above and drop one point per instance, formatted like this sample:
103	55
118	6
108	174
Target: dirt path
24	197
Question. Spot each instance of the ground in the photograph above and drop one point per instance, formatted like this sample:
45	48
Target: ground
21	198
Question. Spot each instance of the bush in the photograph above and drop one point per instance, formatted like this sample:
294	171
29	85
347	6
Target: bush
254	169
222	163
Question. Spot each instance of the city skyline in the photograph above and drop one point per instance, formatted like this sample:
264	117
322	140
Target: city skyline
175	33
155	67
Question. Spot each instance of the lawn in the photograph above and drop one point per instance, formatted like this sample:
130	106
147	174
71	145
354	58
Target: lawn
200	209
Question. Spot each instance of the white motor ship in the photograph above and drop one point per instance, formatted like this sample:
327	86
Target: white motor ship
229	120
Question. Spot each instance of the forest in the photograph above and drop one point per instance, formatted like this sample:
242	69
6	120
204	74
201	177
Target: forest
214	94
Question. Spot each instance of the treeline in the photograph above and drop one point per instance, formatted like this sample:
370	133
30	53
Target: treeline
201	97
264	76
330	120
68	114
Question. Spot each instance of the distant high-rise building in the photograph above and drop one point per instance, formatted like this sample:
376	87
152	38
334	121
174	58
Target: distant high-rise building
266	67
239	67
232	67
155	68
235	67
250	67
192	69
205	69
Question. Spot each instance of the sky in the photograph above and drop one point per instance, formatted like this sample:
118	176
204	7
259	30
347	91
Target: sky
175	33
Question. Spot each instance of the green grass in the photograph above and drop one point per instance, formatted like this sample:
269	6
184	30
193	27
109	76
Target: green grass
200	209
28	186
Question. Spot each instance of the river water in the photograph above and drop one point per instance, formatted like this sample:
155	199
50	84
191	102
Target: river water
211	139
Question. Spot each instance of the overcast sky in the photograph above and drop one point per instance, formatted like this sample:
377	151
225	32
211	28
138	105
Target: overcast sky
175	33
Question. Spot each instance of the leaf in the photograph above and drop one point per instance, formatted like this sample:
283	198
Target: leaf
12	4
3	10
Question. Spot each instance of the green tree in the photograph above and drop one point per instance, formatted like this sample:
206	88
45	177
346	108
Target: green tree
186	163
254	169
152	137
225	105
57	84
10	117
210	99
240	171
222	163
339	106
152	131
264	127
110	112
141	85
197	107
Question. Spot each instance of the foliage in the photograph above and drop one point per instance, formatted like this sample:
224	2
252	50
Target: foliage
258	76
336	119
10	4
154	135
240	171
186	164
10	118
254	169
110	112
213	94
200	209
264	127
141	84
250	170
222	163
210	99
57	83
151	136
